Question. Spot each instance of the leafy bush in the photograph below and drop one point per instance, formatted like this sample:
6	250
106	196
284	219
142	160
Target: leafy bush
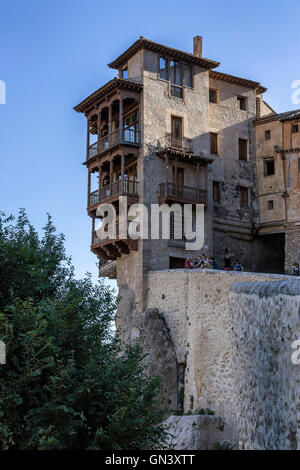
68	382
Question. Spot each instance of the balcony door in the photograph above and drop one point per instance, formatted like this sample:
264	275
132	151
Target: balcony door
176	132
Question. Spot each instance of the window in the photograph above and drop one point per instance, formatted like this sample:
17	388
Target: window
269	166
176	73
244	196
188	76
213	95
270	205
243	149
267	135
242	103
176	79
295	128
216	191
213	143
176	131
163	68
124	73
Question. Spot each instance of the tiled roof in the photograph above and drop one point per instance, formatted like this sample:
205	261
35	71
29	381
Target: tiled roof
237	81
109	86
144	43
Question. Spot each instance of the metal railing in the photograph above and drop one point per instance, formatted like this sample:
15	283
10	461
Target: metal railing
183	193
129	188
117	234
128	136
178	143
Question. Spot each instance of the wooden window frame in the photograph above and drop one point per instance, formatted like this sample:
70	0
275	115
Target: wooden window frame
217	143
216	184
241	158
294	128
217	95
244	99
182	64
268	133
266	160
270	205
244	190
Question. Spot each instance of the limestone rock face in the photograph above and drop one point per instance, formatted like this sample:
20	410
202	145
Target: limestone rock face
149	330
195	432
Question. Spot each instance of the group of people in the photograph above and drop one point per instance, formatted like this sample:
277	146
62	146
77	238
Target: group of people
202	262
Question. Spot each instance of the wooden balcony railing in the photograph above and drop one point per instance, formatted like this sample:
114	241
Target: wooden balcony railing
96	239
182	194
129	188
128	137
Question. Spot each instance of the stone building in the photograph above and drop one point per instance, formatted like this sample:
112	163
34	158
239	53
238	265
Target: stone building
278	170
171	129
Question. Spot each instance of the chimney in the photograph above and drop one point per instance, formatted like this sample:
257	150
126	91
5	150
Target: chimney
197	50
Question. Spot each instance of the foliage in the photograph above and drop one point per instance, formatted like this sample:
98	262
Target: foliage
68	382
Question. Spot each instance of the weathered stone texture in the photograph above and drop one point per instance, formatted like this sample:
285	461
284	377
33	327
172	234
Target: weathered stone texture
265	320
196	307
195	432
149	330
292	249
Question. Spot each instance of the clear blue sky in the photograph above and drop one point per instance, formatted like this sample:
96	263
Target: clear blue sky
54	53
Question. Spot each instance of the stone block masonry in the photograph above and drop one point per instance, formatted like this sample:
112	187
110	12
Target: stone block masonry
265	321
196	308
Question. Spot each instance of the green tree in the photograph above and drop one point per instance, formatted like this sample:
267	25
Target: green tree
68	382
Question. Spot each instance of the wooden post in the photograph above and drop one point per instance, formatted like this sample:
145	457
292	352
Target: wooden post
175	178
111	175
198	182
99	131
121	118
87	139
99	181
167	175
89	188
122	172
93	229
206	179
109	118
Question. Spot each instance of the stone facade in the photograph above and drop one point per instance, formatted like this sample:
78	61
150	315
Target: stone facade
265	322
196	308
278	142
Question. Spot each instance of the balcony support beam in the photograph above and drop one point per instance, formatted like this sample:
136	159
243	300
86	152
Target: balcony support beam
87	138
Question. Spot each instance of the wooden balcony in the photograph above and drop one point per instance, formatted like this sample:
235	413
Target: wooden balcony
185	194
128	137
112	192
107	268
112	248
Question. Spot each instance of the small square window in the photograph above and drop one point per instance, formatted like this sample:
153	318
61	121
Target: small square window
244	196
295	128
213	95
216	191
242	103
269	166
270	205
214	150
267	135
243	149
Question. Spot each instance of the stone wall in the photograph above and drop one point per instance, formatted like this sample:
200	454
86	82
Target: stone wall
195	305
265	321
292	249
